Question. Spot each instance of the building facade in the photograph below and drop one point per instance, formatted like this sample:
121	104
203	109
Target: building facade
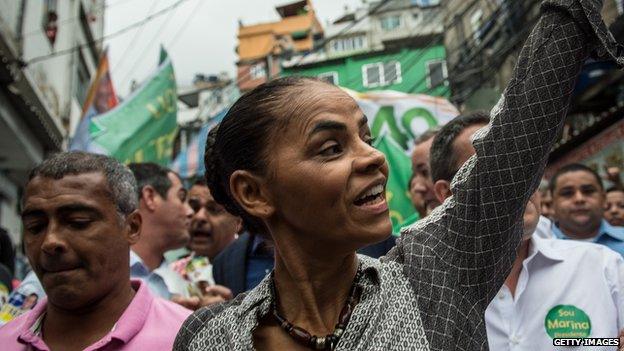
261	47
395	45
206	98
48	52
483	39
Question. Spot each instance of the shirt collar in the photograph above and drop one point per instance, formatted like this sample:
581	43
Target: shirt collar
31	327
257	240
134	317
127	326
605	229
543	247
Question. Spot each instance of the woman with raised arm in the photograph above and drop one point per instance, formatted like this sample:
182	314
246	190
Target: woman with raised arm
294	159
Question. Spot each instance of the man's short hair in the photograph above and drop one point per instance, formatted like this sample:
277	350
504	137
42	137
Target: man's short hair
614	189
151	174
430	133
572	167
121	183
442	158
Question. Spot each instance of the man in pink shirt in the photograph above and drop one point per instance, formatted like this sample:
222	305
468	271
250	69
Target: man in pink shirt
79	216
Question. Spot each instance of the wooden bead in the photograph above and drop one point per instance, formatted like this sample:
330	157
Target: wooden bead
300	334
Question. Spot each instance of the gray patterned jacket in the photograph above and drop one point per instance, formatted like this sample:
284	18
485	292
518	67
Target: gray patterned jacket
431	291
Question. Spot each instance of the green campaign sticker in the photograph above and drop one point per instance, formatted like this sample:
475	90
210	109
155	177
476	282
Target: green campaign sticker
567	321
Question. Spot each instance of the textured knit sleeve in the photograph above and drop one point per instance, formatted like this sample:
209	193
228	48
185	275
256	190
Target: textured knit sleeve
457	258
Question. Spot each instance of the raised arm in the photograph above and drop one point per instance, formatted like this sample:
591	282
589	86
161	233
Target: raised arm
462	252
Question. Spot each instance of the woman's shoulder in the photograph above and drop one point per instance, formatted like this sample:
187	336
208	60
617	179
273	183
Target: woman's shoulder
210	319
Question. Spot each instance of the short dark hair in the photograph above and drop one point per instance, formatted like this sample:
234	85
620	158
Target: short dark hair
428	134
572	167
240	141
121	183
614	189
442	157
151	174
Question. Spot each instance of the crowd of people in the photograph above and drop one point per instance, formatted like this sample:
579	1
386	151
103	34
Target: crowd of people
286	244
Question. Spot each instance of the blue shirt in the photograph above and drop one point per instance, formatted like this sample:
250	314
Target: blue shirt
154	280
608	235
259	263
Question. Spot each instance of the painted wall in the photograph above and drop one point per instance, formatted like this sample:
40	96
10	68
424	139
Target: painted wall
349	70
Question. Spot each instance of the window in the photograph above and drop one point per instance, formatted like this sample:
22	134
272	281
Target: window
381	74
426	3
257	71
390	22
329	77
436	73
49	20
348	44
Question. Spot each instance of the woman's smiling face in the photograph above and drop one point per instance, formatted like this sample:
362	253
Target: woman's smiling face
326	180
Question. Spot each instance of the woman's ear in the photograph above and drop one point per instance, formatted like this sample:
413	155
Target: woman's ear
132	227
251	193
442	190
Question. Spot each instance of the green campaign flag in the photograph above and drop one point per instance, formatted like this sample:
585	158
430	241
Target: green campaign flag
400	170
144	126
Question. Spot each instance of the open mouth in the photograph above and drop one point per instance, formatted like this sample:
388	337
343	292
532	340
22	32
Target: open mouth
373	196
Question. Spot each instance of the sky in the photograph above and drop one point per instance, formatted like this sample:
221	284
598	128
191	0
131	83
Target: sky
204	32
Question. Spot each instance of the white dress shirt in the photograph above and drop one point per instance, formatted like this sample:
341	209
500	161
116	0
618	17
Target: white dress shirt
565	289
543	229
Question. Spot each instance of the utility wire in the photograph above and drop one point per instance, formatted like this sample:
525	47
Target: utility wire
186	23
101	39
149	44
138	33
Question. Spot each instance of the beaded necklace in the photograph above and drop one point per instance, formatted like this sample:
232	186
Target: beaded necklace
302	336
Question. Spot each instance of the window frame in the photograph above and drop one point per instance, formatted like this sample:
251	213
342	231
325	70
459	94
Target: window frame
387	18
253	70
444	73
333	74
382	81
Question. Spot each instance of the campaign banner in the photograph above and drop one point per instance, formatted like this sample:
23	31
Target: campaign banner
189	163
403	117
399	172
396	119
101	98
144	126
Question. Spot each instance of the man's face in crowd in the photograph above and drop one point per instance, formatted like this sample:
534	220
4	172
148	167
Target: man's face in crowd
421	185
75	240
463	149
173	214
578	203
212	227
614	213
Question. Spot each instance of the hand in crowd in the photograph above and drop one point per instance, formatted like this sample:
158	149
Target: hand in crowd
212	295
612	174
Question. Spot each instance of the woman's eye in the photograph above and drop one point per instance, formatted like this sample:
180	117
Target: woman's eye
333	149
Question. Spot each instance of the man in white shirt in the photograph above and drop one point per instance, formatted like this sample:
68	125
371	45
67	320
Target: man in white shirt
166	223
556	288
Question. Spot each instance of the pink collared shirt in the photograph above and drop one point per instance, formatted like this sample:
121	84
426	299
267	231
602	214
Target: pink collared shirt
148	323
